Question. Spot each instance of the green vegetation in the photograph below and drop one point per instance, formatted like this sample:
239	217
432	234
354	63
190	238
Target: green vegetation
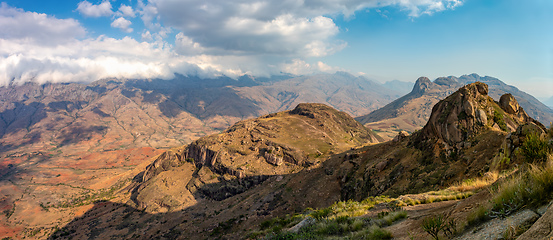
342	220
477	216
91	196
439	223
498	118
535	148
532	187
343	227
529	186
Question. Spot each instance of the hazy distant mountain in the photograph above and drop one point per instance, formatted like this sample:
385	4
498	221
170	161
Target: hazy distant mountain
549	102
399	86
412	111
355	95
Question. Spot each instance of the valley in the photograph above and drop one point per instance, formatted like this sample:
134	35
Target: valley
115	158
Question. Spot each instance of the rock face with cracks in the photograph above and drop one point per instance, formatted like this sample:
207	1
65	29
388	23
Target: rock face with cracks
245	155
468	112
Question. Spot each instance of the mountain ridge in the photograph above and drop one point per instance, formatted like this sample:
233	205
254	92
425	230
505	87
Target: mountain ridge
411	111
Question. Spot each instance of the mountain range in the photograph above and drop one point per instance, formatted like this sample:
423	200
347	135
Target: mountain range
80	153
410	112
226	184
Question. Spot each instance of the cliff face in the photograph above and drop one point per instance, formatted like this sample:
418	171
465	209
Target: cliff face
464	133
245	155
468	112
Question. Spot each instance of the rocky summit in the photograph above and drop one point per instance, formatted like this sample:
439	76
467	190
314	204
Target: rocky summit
464	132
468	112
412	111
245	155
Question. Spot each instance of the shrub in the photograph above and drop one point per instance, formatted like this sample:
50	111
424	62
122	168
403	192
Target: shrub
498	118
372	232
439	223
535	148
478	215
532	187
321	213
434	225
388	219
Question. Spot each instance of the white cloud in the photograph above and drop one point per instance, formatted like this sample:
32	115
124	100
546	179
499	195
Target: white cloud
185	46
89	60
126	11
218	37
16	24
122	24
290	28
147	36
300	67
90	10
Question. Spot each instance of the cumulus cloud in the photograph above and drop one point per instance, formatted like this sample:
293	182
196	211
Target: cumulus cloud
122	24
126	11
92	59
16	24
212	38
290	28
300	67
90	10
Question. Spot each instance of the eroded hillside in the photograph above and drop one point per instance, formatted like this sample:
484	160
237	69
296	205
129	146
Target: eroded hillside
70	144
256	169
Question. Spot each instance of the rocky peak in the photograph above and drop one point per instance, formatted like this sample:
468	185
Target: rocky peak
468	112
446	81
421	85
312	110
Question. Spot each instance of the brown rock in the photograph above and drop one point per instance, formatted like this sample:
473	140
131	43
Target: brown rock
541	229
508	103
400	136
273	159
481	117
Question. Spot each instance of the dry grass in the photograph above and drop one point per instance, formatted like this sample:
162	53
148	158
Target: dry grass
474	184
530	187
457	191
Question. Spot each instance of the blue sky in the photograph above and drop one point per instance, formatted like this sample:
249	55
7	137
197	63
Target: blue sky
61	41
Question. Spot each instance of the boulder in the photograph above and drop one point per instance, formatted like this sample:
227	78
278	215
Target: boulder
509	104
541	229
400	136
308	221
273	159
482	117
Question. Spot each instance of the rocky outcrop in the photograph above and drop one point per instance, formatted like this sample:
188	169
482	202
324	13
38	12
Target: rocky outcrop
509	103
201	154
422	85
455	118
164	162
331	118
226	164
541	229
470	111
400	136
273	159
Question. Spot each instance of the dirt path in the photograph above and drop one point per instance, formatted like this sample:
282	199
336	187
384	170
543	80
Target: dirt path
410	228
